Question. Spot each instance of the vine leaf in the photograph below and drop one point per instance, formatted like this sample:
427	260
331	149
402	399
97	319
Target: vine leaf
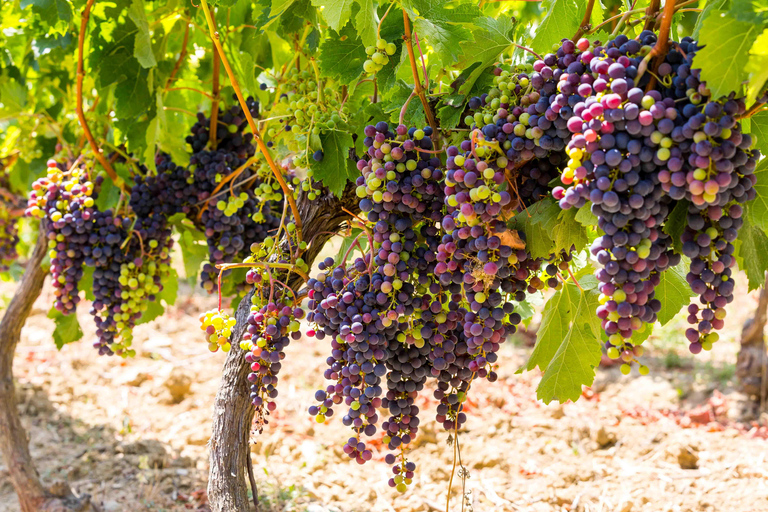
194	250
67	328
757	67
365	21
335	12
569	232
538	223
342	55
492	36
440	25
55	13
752	252
713	6
673	292
156	308
758	209
142	48
562	20
585	217
675	224
726	42
759	127
568	343
336	168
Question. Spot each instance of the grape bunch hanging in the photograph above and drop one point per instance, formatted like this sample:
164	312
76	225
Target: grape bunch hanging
435	295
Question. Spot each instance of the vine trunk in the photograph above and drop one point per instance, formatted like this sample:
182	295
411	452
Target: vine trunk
14	441
232	409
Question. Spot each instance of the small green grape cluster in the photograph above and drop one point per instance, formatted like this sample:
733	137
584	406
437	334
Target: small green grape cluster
233	204
509	88
378	56
137	283
218	329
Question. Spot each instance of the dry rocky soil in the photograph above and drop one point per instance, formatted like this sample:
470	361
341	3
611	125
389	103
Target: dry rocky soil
133	434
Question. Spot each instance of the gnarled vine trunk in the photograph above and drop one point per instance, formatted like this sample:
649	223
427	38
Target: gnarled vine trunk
13	439
232	409
752	361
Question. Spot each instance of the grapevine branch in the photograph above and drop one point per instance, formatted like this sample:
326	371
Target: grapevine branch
420	92
255	129
80	76
584	25
661	46
653	8
182	56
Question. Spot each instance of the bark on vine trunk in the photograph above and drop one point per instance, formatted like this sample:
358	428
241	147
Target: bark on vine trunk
13	438
232	409
751	362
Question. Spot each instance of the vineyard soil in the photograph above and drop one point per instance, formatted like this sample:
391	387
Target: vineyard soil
133	433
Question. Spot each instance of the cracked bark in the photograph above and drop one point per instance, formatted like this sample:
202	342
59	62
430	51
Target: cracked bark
232	410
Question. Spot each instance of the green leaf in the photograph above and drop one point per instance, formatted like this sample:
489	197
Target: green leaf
712	7
53	12
569	232
279	7
757	67
167	297
414	114
673	292
67	328
108	195
726	42
450	116
346	243
752	252
585	217
142	48
538	224
194	250
440	22
759	131
562	20
758	209
336	167
568	343
335	12
365	22
675	224
342	55
492	36
86	283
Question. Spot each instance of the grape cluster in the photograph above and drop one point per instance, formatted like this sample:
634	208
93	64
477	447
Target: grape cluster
378	56
232	215
270	329
218	328
632	154
65	199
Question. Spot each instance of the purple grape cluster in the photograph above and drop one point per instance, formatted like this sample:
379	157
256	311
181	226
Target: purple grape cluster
65	201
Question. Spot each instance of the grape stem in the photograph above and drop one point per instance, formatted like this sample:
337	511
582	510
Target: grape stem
416	81
661	46
651	11
80	114
207	95
584	25
570	273
256	134
405	106
423	62
378	28
182	56
754	109
264	264
230	178
623	15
